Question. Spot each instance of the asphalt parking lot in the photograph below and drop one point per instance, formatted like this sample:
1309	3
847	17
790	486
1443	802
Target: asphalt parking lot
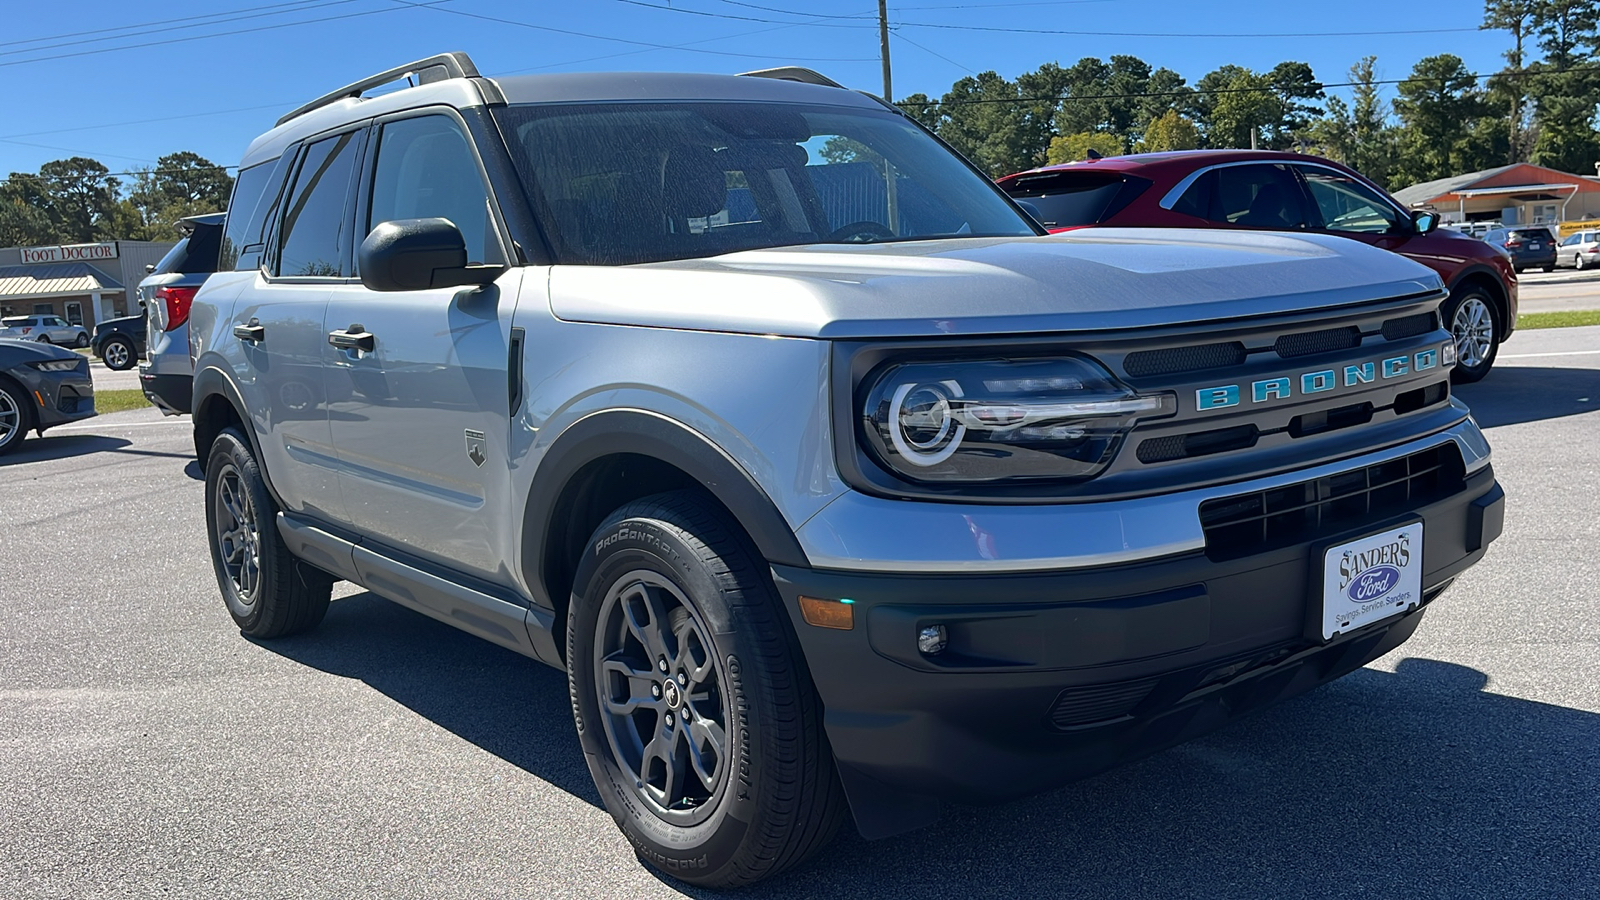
151	751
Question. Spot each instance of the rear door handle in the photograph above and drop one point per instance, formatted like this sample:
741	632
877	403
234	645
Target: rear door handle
353	338
254	333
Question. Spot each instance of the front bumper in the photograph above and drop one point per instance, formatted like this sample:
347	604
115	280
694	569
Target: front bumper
1051	677
62	397
172	394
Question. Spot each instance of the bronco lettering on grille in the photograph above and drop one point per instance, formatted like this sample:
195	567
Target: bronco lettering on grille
1283	387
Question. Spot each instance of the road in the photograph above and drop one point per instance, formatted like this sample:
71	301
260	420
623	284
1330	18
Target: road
1559	291
152	751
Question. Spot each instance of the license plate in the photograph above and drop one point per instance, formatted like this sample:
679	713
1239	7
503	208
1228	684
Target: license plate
1371	579
1535	246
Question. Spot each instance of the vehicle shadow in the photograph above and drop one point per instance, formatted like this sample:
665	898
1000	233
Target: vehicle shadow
1509	395
498	700
1414	784
66	446
1417	783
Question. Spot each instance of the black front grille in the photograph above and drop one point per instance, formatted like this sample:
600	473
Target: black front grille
1408	326
1080	706
1310	343
1264	520
1142	363
1199	443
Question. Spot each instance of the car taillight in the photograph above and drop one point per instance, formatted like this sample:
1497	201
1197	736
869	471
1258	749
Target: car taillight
174	310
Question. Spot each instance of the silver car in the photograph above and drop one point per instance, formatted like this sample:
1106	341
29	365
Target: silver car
45	330
1580	250
837	488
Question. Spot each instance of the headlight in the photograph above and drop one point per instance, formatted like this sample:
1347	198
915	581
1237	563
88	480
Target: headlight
1060	418
57	365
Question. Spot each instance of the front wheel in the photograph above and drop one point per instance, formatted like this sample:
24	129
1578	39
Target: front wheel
16	416
268	591
694	707
1474	325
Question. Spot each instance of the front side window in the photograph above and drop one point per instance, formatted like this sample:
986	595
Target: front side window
621	183
1249	196
1346	204
314	215
426	169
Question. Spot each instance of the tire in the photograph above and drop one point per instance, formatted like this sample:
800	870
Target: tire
118	354
282	595
44	339
1473	318
672	576
16	416
82	341
1550	268
1578	263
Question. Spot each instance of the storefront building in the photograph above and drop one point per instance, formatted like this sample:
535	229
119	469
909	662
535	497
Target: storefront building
82	283
1520	194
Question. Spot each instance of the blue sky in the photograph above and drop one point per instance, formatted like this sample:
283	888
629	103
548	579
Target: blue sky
96	101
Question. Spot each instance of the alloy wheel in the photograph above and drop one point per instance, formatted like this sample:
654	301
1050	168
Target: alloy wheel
10	418
663	705
1473	328
116	355
238	538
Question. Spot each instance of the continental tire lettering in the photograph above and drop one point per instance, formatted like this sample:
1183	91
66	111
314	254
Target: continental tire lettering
741	706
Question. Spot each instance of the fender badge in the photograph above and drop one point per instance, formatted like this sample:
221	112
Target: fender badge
475	451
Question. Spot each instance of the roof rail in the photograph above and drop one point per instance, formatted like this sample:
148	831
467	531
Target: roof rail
435	68
795	73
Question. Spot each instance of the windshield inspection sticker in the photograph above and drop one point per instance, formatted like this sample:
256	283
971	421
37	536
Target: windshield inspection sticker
1371	579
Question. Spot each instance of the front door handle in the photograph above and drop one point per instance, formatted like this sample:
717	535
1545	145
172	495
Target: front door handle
353	338
253	333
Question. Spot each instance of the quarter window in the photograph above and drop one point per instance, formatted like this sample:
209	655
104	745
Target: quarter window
1250	196
246	213
314	220
426	169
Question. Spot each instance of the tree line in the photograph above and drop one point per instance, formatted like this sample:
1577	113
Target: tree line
79	200
1445	120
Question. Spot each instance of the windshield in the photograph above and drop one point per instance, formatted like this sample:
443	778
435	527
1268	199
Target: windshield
627	183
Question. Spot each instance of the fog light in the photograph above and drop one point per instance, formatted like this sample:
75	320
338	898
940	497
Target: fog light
931	640
1447	354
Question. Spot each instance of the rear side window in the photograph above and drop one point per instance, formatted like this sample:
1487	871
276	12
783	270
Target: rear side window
1251	196
1077	198
313	219
196	252
426	169
247	212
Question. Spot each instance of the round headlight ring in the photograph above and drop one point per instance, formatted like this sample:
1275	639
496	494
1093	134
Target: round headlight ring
929	401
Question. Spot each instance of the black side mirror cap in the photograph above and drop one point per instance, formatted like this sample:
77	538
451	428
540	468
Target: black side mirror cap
418	254
1424	222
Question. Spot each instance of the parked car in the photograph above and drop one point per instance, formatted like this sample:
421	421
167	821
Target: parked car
1530	247
167	374
1269	190
45	330
120	342
41	386
1580	250
829	494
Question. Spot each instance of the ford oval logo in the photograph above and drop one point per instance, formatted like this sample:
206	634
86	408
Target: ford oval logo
1373	583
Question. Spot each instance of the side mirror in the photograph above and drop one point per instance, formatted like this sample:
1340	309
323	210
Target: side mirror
417	254
149	267
1424	222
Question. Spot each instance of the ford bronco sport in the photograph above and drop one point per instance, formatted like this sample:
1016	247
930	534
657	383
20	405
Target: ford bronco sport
834	484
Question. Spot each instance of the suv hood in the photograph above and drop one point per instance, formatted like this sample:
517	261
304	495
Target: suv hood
1088	280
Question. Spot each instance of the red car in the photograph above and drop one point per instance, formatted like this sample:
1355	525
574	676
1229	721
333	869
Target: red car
1278	191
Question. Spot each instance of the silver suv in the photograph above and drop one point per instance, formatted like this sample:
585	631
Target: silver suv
833	484
45	330
167	373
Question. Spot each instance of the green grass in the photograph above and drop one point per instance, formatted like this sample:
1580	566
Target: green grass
1567	319
119	401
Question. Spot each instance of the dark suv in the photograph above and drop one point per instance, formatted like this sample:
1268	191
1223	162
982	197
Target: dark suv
1530	247
1270	190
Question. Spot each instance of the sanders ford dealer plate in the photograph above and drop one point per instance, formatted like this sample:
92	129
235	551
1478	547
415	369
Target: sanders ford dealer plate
1371	578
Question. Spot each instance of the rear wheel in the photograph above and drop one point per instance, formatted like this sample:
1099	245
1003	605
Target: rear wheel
695	710
1578	263
118	354
16	416
82	341
43	339
1474	324
268	591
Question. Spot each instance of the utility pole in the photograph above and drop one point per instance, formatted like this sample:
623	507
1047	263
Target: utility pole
891	187
883	48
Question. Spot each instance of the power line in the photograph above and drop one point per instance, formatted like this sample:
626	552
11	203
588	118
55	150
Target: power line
303	6
1171	34
712	15
225	13
929	50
